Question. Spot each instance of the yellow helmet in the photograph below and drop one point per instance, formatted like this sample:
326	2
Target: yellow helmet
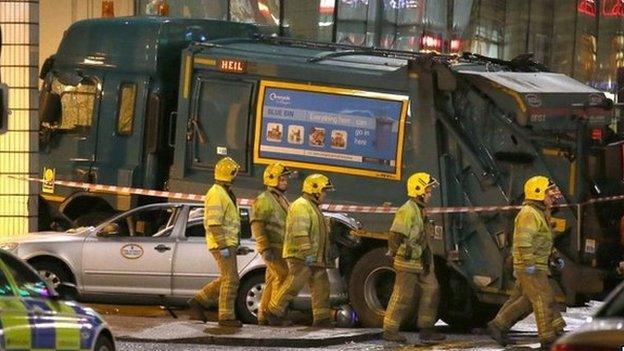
226	170
535	188
273	172
315	183
417	183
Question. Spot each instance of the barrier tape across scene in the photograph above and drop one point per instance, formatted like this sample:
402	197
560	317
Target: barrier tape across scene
121	190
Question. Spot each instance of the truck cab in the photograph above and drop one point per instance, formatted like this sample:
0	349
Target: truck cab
107	106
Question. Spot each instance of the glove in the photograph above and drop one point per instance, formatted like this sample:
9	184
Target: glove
530	269
310	260
268	255
559	263
225	252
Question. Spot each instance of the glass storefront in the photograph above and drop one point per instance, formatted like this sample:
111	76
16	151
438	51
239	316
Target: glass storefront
581	38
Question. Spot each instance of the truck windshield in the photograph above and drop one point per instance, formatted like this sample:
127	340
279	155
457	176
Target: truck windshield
77	103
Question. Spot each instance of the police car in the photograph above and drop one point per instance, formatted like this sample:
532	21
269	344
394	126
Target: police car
34	316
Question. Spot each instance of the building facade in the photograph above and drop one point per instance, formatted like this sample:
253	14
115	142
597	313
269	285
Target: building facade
580	38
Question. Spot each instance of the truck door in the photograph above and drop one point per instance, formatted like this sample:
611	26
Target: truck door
68	144
120	131
218	122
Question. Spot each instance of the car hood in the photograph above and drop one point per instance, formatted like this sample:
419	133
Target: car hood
78	234
605	332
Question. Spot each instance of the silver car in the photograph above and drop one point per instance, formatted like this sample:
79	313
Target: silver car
155	254
603	332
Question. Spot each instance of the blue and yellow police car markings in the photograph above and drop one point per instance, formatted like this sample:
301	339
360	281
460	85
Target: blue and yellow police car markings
89	324
36	324
14	325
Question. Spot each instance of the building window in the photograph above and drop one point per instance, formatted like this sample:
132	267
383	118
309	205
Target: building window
206	9
125	111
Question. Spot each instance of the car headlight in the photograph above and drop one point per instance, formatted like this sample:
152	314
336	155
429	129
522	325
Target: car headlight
11	247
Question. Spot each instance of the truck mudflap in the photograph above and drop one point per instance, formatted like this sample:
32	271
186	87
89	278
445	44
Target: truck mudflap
582	280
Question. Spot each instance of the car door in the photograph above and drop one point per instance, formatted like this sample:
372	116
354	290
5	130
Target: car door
132	253
194	265
52	324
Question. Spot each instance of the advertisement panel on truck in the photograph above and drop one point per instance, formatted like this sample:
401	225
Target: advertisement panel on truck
332	129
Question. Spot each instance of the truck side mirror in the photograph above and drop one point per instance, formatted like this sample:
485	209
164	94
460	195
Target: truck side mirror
49	107
4	107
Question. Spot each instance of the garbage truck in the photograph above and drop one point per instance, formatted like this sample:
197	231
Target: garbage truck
156	107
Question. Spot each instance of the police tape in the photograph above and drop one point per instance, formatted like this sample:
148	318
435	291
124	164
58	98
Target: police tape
121	190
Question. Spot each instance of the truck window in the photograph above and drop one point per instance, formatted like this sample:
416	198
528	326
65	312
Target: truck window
77	103
221	110
125	111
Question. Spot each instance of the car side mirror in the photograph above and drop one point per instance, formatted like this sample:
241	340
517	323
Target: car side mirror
67	291
111	229
4	107
49	107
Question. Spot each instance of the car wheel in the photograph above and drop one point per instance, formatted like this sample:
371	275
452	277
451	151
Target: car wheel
52	273
248	299
104	343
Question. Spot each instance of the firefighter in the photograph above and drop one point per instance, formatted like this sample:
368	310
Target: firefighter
222	224
307	253
413	262
531	249
268	219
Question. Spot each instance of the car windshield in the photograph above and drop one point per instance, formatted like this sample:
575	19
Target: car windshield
614	307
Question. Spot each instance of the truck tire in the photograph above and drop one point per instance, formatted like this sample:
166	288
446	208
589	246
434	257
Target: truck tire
248	298
370	287
459	306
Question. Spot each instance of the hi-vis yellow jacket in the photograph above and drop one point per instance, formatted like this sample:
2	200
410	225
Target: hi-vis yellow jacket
307	233
220	209
270	208
533	238
408	221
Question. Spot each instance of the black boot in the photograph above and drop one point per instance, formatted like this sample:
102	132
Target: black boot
497	334
197	311
275	320
324	323
394	337
546	345
429	335
230	323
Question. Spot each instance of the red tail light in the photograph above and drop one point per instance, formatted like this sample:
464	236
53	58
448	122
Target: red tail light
596	134
568	347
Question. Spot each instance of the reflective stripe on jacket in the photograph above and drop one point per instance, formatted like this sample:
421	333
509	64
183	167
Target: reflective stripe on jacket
307	232
533	238
220	209
272	213
408	221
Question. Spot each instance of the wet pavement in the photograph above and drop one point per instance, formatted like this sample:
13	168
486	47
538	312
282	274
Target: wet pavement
137	332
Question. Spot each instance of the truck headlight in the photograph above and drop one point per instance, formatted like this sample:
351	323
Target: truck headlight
11	247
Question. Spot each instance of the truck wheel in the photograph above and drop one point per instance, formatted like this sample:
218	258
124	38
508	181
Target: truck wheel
459	306
370	287
92	218
248	298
